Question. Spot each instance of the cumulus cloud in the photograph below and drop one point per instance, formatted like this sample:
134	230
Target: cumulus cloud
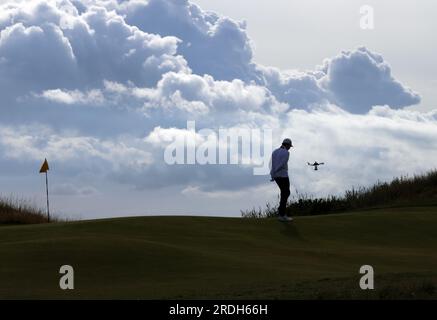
72	51
201	95
50	62
212	44
219	46
81	44
300	90
179	97
361	79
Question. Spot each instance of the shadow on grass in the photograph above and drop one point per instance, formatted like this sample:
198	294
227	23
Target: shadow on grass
290	230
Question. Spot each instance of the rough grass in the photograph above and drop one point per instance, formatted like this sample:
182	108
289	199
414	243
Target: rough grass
20	211
403	191
315	257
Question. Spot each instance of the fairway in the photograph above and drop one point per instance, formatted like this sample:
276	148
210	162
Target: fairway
204	257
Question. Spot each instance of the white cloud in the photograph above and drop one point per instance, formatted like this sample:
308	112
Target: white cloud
50	61
92	97
179	97
212	44
79	45
219	46
39	51
198	94
87	153
361	79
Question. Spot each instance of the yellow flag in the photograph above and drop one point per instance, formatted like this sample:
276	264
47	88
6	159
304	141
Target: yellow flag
44	167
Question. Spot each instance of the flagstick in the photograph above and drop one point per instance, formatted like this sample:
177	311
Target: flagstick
47	189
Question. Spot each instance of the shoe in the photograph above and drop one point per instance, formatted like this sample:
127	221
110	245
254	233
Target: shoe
285	219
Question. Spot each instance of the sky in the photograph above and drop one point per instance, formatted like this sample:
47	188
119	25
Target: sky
403	33
104	89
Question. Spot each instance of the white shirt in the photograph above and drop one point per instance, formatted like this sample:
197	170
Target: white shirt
279	163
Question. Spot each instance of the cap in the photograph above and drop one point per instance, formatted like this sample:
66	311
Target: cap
287	142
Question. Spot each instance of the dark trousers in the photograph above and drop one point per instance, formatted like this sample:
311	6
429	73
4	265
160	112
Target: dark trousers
284	186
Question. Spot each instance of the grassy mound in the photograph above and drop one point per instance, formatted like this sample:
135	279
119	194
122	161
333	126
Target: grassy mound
403	191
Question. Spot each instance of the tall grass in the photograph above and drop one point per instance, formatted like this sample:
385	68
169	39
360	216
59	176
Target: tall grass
20	211
400	191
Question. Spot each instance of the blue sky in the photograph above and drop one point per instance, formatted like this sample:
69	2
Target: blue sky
100	88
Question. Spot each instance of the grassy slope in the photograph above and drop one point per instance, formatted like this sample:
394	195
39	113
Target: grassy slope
198	257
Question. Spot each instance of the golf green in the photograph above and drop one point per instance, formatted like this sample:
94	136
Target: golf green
205	257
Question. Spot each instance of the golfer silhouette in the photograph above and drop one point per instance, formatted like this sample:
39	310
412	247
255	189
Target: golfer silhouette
279	174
